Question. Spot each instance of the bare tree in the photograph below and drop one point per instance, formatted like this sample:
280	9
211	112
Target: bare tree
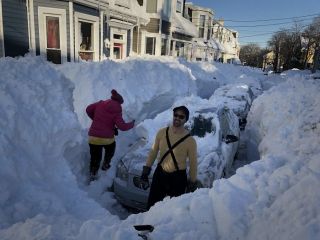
251	55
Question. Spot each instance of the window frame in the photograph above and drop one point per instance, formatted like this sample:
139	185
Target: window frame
94	20
44	12
179	10
202	25
154	44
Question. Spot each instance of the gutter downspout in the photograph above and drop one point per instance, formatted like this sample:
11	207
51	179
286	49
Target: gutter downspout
2	31
101	35
71	30
32	29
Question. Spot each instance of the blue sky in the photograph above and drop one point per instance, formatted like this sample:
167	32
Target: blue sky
253	10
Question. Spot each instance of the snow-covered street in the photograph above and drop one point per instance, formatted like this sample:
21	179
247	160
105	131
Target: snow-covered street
45	154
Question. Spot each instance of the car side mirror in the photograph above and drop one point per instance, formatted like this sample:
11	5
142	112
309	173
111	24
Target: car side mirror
231	139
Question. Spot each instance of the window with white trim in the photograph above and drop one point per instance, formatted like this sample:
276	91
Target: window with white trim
150	45
86	51
201	25
179	6
86	37
52	34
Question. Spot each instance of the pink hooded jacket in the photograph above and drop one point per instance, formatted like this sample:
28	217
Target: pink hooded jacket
105	116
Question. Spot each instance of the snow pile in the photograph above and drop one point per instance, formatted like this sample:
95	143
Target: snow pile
43	158
147	85
38	128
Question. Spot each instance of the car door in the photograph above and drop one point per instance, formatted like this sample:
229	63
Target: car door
229	126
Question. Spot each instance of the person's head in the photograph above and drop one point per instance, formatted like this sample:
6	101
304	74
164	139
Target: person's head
180	116
116	96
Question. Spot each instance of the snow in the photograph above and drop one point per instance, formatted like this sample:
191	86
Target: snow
44	153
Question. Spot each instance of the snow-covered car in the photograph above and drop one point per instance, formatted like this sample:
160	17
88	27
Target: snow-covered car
237	97
216	131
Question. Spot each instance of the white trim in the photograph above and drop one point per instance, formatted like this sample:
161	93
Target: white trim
32	29
81	17
158	43
61	14
122	41
1	30
71	25
101	35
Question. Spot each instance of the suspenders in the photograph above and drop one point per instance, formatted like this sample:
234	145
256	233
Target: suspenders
171	147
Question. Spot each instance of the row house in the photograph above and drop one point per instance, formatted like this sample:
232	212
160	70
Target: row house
69	30
75	30
167	32
228	39
214	41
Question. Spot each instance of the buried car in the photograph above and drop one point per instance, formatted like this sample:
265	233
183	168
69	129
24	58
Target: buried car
237	97
216	131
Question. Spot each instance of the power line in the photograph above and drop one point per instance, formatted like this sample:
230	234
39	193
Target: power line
273	32
272	19
269	24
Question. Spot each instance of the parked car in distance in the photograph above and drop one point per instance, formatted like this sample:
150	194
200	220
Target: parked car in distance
237	97
216	131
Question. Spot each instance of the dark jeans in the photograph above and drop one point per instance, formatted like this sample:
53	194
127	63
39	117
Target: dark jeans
166	184
96	155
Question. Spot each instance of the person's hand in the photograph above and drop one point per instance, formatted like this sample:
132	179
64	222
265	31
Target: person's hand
145	173
192	186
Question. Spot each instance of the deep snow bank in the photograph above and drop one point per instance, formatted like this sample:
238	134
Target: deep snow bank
273	198
38	126
148	85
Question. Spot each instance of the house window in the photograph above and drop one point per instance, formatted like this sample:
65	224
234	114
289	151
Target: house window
179	6
86	37
52	34
140	2
152	6
118	36
190	14
209	29
150	45
86	41
201	26
53	40
164	43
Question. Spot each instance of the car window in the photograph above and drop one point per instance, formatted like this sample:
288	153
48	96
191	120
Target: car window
201	125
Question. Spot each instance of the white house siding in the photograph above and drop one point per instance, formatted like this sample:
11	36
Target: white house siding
15	28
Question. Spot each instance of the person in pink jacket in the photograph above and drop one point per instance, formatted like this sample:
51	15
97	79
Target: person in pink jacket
106	118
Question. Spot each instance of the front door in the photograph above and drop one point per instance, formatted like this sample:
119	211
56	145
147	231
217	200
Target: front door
117	50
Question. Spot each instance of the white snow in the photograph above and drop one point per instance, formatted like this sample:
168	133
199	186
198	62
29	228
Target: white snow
44	153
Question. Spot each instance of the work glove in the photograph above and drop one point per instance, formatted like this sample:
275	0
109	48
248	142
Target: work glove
191	186
143	181
116	132
145	173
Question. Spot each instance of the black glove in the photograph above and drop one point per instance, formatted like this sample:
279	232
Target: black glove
145	173
116	131
192	186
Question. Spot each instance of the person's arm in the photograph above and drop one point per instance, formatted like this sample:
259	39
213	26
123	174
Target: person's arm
120	123
151	157
154	151
90	110
193	161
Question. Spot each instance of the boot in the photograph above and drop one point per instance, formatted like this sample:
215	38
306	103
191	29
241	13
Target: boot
105	166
